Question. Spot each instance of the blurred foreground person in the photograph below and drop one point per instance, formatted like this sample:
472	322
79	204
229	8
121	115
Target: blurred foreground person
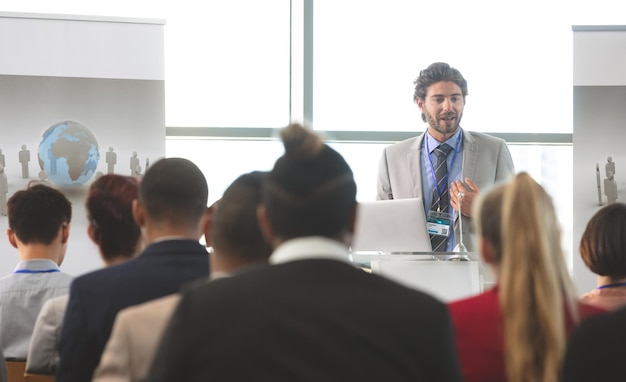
517	330
311	315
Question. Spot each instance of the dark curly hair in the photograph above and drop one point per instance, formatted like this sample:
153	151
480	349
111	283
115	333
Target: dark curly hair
437	72
311	189
37	213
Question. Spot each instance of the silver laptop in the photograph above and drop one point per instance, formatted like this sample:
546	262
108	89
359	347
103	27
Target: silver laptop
397	225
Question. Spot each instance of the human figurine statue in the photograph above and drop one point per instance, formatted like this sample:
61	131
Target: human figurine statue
43	176
4	189
134	163
137	173
147	165
24	159
610	188
2	162
111	159
609	166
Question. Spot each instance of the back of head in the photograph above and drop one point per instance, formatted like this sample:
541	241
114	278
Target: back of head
603	244
236	231
535	287
174	191
311	189
439	71
109	212
487	211
37	213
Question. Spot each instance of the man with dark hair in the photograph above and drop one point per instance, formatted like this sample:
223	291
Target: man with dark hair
237	242
311	315
174	195
236	238
39	227
445	161
172	211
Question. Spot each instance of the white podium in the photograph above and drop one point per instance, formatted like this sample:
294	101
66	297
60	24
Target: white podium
433	273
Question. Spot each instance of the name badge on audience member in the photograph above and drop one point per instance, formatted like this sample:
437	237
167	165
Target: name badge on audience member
438	223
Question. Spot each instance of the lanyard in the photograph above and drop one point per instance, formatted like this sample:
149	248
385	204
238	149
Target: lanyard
36	271
432	168
611	285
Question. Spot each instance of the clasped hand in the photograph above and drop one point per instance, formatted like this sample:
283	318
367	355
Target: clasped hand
469	190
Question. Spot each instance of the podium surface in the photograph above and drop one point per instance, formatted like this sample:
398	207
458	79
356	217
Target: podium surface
447	276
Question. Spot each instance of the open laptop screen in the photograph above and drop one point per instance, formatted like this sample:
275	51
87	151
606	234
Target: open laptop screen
397	225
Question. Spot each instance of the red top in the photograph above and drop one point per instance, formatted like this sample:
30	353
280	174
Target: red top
478	329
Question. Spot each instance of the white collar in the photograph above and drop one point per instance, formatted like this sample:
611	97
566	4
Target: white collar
311	247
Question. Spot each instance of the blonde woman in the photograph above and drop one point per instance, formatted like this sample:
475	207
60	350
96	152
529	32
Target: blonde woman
517	331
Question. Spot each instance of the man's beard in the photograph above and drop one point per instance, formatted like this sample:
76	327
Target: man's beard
442	126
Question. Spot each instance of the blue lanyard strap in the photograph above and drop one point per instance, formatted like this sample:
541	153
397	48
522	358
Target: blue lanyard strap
611	285
36	271
432	170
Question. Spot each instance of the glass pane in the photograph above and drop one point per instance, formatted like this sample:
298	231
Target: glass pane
222	161
518	62
227	63
552	167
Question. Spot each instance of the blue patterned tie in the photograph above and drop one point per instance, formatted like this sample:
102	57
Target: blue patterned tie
441	197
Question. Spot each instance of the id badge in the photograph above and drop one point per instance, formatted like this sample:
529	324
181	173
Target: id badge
438	223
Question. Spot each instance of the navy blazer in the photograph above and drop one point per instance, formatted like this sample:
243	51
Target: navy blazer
95	298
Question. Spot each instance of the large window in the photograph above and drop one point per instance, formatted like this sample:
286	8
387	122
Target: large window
367	55
227	63
348	66
516	56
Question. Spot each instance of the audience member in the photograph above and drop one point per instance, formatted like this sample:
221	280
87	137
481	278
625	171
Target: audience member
517	331
237	242
603	249
112	228
311	315
596	350
171	211
39	227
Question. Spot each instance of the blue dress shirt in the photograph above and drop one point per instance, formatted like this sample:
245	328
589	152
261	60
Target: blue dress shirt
455	172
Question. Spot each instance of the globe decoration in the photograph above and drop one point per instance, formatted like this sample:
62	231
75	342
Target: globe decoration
68	153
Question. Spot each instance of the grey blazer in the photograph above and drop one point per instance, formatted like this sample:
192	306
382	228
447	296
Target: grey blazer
486	161
43	356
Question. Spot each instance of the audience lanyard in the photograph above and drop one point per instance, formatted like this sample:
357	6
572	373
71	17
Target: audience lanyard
432	167
611	285
36	271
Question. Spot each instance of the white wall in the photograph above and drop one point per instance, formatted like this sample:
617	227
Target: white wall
106	74
599	125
